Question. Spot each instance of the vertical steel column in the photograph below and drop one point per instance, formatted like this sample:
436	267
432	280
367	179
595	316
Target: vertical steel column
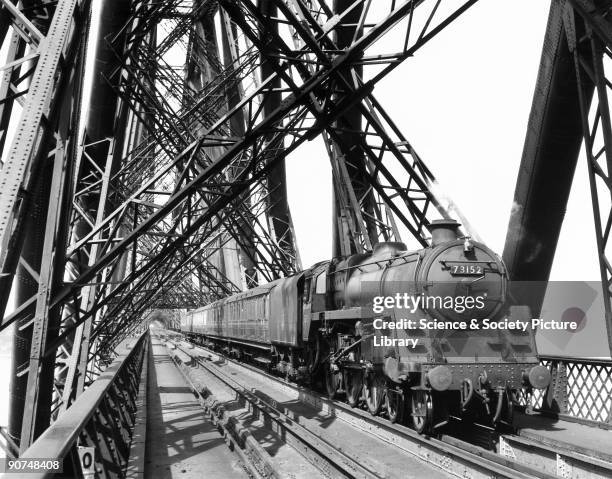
234	94
97	162
279	216
36	414
349	127
588	53
21	168
32	226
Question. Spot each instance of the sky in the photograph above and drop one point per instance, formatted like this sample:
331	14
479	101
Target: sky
463	101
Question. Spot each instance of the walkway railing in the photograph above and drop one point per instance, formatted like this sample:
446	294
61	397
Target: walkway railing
92	437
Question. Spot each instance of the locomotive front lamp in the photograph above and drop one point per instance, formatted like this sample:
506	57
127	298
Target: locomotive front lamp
467	245
440	378
539	377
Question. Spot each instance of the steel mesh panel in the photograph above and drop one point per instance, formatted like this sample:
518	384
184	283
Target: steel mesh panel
583	389
589	387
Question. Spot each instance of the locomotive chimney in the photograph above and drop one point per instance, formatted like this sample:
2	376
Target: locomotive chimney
443	231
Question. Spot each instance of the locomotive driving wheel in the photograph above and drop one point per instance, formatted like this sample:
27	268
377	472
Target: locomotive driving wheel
421	410
353	383
394	403
374	392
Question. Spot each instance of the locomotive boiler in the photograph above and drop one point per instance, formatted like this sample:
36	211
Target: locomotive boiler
395	330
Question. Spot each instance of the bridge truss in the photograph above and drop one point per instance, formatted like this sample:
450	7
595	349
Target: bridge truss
167	188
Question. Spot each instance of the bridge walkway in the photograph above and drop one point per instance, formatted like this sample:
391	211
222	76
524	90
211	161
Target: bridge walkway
180	443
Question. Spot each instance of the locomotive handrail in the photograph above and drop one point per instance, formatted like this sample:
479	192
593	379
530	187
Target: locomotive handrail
58	439
407	258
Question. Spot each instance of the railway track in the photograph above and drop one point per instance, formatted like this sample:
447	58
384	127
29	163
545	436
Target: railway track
452	456
328	459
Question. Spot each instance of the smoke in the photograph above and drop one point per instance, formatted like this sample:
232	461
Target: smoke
451	210
517	233
515	209
515	230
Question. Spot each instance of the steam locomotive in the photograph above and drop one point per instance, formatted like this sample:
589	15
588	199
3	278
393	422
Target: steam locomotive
319	327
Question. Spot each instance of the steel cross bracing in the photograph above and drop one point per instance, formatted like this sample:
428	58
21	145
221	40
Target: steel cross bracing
294	129
194	147
367	190
97	181
150	220
201	111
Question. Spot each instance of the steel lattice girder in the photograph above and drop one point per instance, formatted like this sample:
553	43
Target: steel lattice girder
380	141
293	110
203	112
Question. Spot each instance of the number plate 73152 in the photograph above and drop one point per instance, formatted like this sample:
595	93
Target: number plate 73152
466	269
